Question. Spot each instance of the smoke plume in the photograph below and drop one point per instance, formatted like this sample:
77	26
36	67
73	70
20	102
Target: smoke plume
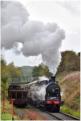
35	36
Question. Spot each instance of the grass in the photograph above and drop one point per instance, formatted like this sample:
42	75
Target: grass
70	111
7	114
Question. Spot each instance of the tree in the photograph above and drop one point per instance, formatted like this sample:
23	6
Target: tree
4	77
14	72
70	62
8	73
41	70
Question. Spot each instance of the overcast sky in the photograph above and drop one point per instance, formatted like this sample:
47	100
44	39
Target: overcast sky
65	13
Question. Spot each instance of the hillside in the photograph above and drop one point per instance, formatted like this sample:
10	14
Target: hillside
26	71
70	86
71	89
68	75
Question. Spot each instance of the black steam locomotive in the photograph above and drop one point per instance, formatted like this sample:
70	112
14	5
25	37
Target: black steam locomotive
40	92
53	97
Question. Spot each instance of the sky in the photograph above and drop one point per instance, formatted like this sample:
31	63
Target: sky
65	13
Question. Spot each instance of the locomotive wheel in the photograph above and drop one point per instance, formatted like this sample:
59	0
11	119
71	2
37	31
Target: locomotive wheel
57	109
48	107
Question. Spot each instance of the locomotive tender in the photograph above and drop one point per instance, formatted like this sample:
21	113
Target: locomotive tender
42	92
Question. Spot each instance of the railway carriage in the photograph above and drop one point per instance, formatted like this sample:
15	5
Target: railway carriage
18	94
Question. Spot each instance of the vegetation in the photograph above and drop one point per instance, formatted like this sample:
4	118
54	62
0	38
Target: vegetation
7	114
14	72
4	77
41	70
68	75
70	62
8	73
70	111
26	73
26	70
71	88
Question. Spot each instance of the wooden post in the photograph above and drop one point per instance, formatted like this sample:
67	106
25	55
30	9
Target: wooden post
12	102
3	105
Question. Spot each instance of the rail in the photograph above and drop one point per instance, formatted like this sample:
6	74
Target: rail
63	116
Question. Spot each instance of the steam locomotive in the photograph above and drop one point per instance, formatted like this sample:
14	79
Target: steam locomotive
42	92
45	92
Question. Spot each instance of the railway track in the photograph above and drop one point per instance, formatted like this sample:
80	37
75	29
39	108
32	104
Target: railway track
63	116
50	115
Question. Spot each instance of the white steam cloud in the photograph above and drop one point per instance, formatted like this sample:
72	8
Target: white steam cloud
36	37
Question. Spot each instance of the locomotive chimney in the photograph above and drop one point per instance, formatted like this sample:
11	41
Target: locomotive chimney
52	79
